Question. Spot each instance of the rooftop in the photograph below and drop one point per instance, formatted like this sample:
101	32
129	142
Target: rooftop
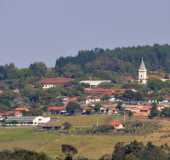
56	80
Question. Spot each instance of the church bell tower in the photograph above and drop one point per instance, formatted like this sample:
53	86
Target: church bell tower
142	73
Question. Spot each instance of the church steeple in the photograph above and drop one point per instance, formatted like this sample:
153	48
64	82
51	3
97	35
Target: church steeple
142	73
142	65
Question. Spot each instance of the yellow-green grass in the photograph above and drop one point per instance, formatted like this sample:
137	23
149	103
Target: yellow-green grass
92	146
50	143
82	120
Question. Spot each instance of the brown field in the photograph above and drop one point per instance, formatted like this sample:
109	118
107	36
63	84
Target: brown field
92	146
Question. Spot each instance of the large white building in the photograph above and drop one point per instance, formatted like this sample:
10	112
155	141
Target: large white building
95	82
27	120
142	73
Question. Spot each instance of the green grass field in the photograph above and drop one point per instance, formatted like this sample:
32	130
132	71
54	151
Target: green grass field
92	146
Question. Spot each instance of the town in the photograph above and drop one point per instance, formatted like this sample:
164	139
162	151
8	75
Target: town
99	97
135	106
84	80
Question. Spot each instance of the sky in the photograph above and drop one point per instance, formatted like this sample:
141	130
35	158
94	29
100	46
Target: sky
43	30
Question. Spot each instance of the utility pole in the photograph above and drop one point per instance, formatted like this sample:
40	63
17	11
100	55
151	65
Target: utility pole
124	116
97	123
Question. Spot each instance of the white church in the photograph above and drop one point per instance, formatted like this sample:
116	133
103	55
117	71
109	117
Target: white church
142	73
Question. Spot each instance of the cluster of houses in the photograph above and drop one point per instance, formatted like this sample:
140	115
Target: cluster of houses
94	95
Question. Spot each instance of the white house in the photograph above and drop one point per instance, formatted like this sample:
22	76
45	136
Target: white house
91	100
54	82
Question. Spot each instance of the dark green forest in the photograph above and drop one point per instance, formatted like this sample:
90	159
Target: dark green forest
107	62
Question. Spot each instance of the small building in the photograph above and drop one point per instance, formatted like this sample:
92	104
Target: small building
117	124
92	100
139	110
11	113
17	91
27	120
54	82
56	109
22	109
67	100
108	108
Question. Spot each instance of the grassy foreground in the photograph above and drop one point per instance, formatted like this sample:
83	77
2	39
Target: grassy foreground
92	146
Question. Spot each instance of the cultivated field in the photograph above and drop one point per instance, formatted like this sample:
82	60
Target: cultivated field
92	146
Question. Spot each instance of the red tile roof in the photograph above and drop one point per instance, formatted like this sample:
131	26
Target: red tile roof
22	109
56	108
103	91
116	123
56	81
10	113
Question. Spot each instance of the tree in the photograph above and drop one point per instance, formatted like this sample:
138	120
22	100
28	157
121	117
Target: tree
165	112
69	151
131	157
22	154
38	69
106	157
155	85
97	107
73	108
130	95
66	125
154	111
130	114
138	151
120	107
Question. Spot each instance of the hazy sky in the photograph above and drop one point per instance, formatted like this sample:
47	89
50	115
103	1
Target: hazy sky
42	30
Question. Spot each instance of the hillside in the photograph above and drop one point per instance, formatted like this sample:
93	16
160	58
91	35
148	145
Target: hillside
105	63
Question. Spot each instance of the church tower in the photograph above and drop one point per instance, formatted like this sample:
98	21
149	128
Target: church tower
142	73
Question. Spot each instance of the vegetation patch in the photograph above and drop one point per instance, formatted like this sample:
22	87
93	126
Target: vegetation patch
141	127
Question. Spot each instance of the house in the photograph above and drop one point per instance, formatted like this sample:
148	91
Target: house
108	108
56	109
162	106
87	110
98	91
94	83
53	82
139	110
117	124
17	91
11	113
92	100
117	91
27	120
22	109
67	100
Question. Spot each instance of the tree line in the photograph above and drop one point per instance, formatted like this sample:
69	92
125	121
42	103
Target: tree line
114	62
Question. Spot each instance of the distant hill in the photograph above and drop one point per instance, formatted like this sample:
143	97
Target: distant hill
107	63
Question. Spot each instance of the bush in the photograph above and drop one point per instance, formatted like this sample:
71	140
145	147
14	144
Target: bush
140	127
73	108
66	125
138	151
21	154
